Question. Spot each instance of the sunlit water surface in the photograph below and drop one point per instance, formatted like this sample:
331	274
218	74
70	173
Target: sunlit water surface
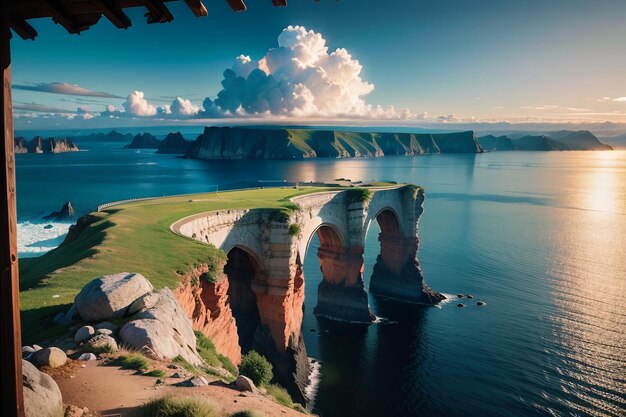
541	237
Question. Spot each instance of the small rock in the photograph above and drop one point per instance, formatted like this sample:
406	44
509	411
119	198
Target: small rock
107	325
312	330
52	357
59	317
37	347
460	305
84	333
28	349
243	383
68	317
198	381
48	226
460	295
102	343
73	411
143	303
87	357
470	296
107	332
176	375
481	303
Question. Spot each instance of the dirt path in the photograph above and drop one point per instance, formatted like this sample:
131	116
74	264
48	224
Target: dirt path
114	392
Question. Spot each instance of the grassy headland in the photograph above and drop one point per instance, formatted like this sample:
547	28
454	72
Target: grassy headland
132	237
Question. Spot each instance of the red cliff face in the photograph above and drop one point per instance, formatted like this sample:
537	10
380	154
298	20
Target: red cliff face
207	305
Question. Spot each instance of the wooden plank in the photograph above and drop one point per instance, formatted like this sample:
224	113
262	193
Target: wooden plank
157	12
23	29
115	15
197	7
59	17
10	331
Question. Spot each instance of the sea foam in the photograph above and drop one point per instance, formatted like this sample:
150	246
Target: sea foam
34	239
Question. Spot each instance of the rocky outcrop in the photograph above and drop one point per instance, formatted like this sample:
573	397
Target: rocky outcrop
206	303
42	145
65	214
163	331
279	143
144	141
42	396
174	143
110	296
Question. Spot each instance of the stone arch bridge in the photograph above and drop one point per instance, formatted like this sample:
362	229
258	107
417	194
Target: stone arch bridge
266	249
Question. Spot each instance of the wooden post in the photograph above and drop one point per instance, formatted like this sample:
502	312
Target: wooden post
10	330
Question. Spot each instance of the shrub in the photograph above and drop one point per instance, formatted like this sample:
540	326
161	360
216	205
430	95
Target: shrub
246	413
206	350
183	362
215	265
359	194
295	229
155	373
134	361
256	367
280	394
170	406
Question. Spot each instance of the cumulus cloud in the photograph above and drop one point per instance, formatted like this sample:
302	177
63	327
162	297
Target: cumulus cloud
298	78
620	99
137	105
63	88
183	107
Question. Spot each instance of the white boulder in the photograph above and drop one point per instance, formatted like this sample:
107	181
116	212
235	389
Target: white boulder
110	296
42	396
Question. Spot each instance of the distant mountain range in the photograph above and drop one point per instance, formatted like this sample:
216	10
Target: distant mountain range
562	140
174	143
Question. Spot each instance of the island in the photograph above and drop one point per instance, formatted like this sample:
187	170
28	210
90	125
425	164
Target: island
39	145
144	141
563	140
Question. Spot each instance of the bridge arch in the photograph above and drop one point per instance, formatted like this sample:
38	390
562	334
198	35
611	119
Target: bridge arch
243	268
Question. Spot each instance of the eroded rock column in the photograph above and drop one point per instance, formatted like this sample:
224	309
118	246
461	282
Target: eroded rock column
341	294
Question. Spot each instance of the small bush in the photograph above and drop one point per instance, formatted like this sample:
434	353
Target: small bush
295	229
358	195
256	367
280	394
206	350
215	265
134	361
246	413
157	373
170	406
183	362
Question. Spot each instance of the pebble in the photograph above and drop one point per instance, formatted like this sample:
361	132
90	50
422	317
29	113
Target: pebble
460	305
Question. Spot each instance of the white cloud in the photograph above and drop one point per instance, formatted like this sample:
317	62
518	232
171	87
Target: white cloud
299	78
137	105
183	107
620	99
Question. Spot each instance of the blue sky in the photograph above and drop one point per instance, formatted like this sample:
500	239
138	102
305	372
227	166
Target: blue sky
432	60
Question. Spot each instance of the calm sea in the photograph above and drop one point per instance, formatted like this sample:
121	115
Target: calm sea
540	237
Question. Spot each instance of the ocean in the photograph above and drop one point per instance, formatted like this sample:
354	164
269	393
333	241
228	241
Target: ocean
539	236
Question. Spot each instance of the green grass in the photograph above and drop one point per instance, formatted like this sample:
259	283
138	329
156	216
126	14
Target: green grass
133	361
295	229
207	351
280	394
183	362
246	413
133	237
155	373
170	406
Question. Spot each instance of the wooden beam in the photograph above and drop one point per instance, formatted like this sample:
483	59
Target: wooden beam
157	12
237	5
115	15
12	404
197	7
279	3
59	17
23	29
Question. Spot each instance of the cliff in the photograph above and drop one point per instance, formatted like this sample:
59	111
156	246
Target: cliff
279	143
174	143
144	141
496	143
42	145
563	140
